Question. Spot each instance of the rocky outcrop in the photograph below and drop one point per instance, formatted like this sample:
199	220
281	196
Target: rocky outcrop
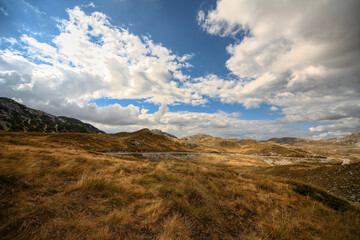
158	131
20	118
352	139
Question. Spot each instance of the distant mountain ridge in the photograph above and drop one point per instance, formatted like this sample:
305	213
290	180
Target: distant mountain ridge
20	118
285	140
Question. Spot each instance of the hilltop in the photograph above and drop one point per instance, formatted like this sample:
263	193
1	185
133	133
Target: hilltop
352	139
18	117
243	146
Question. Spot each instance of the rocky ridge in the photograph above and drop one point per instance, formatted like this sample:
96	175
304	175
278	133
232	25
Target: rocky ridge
20	118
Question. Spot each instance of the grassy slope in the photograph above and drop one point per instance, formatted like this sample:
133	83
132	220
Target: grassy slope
56	186
343	180
328	148
244	146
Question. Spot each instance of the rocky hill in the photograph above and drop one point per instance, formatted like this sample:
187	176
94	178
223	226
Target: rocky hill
18	117
158	131
352	139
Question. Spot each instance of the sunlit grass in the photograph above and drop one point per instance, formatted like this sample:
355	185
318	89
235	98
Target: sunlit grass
52	191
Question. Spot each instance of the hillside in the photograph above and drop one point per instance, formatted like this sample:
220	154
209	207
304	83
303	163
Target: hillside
243	146
343	148
66	186
143	140
158	131
285	140
17	117
342	180
352	139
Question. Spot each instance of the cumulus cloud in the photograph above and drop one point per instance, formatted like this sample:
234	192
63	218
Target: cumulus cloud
303	56
300	57
91	58
163	109
337	129
228	125
273	108
89	47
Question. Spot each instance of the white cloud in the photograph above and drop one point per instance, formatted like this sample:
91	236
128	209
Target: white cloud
220	124
293	58
343	125
339	128
3	11
225	125
302	56
10	40
91	4
38	48
273	108
201	17
91	58
33	8
163	109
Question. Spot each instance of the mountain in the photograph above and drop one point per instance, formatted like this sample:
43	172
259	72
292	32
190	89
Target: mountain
148	140
352	139
243	146
20	118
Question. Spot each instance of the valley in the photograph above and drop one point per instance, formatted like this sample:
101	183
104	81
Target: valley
149	185
179	120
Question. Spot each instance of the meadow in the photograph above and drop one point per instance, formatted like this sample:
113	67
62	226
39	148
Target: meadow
66	186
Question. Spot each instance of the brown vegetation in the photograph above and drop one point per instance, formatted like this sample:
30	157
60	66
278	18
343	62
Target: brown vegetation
62	186
244	146
342	180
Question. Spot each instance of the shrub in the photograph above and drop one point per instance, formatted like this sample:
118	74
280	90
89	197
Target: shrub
323	197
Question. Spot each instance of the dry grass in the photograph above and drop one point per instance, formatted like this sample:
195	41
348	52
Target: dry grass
342	180
51	190
327	148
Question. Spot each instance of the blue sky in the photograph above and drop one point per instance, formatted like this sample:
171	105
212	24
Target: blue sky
141	17
227	68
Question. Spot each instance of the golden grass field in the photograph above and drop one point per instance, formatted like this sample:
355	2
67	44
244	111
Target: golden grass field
66	186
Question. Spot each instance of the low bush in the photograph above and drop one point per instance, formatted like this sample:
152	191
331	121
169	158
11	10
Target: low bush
323	197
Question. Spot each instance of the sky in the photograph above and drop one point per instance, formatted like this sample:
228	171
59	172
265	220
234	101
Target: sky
229	68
